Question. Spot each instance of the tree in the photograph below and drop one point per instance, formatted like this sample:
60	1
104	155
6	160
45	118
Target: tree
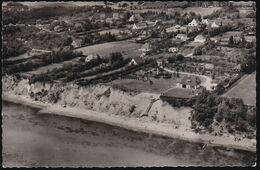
115	57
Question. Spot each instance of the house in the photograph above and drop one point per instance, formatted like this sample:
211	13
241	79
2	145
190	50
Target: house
147	47
237	68
139	26
199	39
135	18
136	61
214	25
191	82
91	57
193	23
205	21
77	43
182	37
173	49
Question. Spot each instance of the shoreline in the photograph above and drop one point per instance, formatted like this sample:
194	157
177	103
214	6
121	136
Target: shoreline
161	129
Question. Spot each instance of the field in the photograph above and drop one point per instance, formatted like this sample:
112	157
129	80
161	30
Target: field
245	89
200	10
50	67
157	87
128	49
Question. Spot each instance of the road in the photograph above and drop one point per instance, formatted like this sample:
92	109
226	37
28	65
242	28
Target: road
207	83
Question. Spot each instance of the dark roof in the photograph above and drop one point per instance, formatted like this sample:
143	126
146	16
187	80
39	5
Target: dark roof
190	81
179	93
138	60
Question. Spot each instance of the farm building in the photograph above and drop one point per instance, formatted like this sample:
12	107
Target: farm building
136	61
191	82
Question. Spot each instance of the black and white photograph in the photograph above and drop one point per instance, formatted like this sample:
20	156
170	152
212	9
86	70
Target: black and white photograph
129	84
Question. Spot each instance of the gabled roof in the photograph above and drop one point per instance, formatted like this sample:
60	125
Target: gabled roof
201	37
237	67
138	60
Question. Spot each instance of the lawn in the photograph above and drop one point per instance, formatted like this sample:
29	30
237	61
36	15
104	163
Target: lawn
158	85
245	89
50	67
127	48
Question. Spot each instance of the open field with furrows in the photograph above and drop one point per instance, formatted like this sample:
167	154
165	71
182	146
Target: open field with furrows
245	89
128	49
157	86
200	10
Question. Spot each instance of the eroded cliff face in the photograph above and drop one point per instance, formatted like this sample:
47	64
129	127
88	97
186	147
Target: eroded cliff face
99	98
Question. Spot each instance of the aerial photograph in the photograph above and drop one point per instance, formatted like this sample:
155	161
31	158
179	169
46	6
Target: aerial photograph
129	84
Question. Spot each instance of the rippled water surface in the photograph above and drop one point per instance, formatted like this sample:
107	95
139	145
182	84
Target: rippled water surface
32	140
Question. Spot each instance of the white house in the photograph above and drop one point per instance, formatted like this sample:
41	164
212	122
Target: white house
173	49
205	21
214	25
91	57
199	39
182	37
136	61
193	23
76	43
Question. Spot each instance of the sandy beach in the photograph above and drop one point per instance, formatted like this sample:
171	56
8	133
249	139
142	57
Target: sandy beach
135	125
